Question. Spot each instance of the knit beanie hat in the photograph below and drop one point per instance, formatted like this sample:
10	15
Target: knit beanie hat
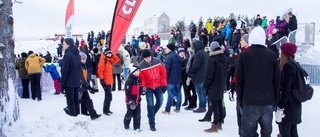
23	54
146	53
69	41
288	49
30	52
257	37
245	37
171	46
214	45
133	68
95	50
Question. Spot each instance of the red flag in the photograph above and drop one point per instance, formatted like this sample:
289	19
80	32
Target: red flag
124	13
69	19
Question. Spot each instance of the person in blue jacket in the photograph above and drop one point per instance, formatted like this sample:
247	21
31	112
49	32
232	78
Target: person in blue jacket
52	69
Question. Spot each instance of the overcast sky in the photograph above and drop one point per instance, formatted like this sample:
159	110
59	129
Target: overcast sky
35	19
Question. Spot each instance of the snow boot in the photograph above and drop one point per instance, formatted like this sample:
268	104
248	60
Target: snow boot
199	110
219	125
213	129
205	119
153	128
192	103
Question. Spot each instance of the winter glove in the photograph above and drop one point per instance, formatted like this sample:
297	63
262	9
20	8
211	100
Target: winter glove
103	84
62	88
143	90
132	105
164	89
91	89
279	115
188	81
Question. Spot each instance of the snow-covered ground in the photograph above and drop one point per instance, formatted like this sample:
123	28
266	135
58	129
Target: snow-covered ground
47	119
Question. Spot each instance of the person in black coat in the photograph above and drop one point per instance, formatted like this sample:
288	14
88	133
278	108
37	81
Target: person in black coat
184	76
292	25
257	84
258	21
292	108
59	50
214	84
48	57
94	74
70	78
197	73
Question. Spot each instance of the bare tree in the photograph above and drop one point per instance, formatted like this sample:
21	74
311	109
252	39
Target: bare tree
9	108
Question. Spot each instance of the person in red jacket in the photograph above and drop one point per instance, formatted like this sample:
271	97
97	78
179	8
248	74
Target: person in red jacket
106	61
153	82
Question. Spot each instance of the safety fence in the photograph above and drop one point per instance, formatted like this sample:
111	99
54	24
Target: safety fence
313	72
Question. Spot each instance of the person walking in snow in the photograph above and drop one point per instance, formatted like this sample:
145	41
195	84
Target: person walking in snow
133	99
173	64
153	82
84	98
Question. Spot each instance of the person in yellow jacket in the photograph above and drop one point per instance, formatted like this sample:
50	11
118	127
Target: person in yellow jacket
105	75
209	25
34	66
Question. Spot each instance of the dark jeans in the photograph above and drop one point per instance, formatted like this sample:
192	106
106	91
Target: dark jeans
288	130
135	114
251	115
228	80
151	107
173	90
215	107
118	81
201	94
87	105
107	99
89	70
25	87
185	90
35	86
72	96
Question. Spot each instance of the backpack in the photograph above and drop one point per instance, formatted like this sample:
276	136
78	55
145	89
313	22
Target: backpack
91	56
303	91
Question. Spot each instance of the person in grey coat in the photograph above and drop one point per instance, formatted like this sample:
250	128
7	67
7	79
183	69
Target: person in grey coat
117	70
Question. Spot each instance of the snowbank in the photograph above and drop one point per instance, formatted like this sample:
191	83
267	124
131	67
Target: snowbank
312	55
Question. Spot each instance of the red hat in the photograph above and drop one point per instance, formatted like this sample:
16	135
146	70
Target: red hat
288	49
157	36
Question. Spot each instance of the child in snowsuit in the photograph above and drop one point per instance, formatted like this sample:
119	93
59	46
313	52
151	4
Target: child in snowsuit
52	69
85	100
133	99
